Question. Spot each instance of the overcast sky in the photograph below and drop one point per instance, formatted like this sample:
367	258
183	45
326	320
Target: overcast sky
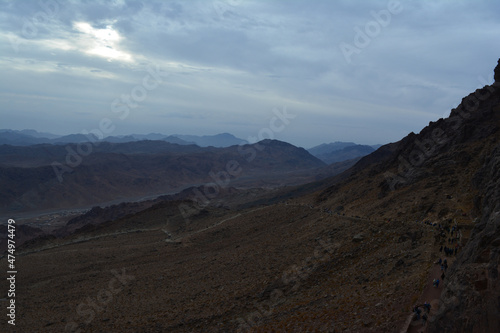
336	70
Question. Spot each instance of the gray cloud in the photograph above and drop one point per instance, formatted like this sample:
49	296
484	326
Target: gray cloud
231	62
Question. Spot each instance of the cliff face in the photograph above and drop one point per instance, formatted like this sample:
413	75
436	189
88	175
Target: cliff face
470	301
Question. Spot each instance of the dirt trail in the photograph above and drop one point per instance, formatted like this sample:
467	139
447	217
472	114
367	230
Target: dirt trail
180	238
430	294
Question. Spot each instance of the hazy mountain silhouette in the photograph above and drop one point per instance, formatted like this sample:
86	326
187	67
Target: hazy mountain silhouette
32	137
218	140
340	151
325	148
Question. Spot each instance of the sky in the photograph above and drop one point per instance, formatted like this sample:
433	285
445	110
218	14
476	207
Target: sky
305	72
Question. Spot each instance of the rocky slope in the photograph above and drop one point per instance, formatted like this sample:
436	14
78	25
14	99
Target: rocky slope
473	292
447	172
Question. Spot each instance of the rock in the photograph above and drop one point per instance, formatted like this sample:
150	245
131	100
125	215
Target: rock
358	238
497	72
367	322
399	263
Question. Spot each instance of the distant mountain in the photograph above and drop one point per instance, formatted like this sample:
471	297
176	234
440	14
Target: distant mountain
120	139
121	171
31	132
18	139
342	151
218	140
326	148
32	137
36	134
150	136
345	154
75	138
143	137
179	141
39	155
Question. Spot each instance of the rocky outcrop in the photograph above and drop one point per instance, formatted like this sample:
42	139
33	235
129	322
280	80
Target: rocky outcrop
497	73
471	299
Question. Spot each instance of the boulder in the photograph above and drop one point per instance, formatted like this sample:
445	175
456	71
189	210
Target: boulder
358	238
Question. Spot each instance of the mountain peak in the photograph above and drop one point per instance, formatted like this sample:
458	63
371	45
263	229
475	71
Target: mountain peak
225	134
218	140
273	142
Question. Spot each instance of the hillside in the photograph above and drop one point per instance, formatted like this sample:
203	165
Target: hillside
350	253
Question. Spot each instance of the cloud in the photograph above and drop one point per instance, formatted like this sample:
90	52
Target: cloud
229	63
101	42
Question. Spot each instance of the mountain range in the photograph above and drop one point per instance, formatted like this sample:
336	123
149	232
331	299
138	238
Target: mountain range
43	172
44	177
32	137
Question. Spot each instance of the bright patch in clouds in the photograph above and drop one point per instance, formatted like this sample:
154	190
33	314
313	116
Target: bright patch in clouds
102	42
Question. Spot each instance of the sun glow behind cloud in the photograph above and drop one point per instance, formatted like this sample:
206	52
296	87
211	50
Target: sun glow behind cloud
102	42
227	64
